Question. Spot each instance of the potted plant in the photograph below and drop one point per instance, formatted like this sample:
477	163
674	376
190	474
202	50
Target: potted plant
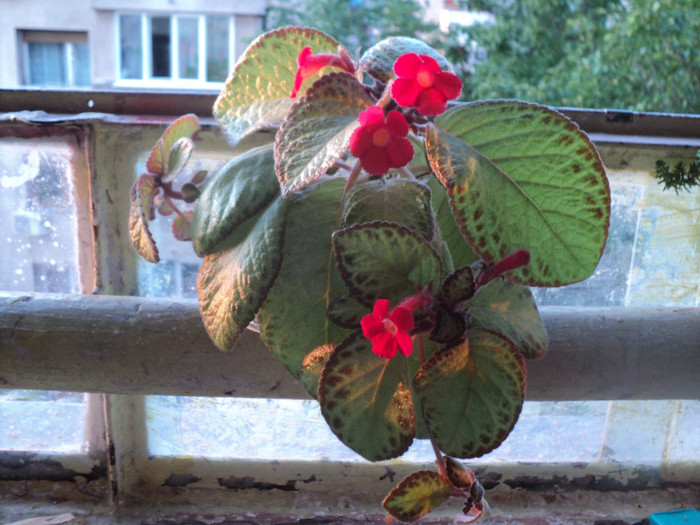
384	240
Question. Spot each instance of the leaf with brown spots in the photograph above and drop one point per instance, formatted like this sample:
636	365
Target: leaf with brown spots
382	260
523	176
317	130
256	94
416	495
233	282
365	401
141	198
510	309
471	394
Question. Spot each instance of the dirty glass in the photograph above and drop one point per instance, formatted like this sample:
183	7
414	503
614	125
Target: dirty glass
217	48
188	47
40	255
131	50
651	259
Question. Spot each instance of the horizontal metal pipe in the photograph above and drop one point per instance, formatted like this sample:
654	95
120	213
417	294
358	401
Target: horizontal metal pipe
136	345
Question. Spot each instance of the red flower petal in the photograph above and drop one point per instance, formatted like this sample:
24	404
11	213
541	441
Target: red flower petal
303	55
396	124
372	115
400	153
407	65
405	343
405	91
402	318
372	326
376	160
384	345
381	308
431	102
360	141
449	84
430	63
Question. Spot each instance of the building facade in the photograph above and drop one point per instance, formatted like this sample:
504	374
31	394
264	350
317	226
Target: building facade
183	44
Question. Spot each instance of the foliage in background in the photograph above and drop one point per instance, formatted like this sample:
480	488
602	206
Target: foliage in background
638	55
678	177
356	23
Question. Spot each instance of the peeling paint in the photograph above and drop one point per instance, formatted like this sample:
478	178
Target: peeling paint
248	482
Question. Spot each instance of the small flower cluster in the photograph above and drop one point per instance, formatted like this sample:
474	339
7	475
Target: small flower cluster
380	141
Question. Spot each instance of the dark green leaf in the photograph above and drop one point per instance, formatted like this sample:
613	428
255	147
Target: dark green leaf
382	260
365	402
293	319
233	282
231	195
417	495
471	394
346	311
458	286
523	176
511	310
379	59
391	199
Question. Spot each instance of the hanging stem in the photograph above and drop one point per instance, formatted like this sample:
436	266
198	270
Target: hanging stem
352	178
174	207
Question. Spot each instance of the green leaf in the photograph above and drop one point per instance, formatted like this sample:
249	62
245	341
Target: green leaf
256	94
382	260
523	176
179	154
293	319
416	495
379	59
365	402
511	310
346	311
450	326
185	126
231	195
458	286
317	130
471	394
458	475
312	367
459	250
233	283
391	199
141	197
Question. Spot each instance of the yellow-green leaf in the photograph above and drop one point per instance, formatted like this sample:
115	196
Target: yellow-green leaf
141	197
523	176
256	94
416	495
185	126
471	394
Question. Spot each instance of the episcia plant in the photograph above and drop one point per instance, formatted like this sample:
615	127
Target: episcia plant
384	241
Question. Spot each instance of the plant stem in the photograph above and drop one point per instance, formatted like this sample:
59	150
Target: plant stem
352	178
174	207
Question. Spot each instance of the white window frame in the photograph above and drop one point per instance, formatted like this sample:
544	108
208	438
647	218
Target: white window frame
147	80
586	342
68	41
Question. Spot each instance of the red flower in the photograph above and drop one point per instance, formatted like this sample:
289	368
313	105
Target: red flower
388	332
421	84
310	64
510	262
381	143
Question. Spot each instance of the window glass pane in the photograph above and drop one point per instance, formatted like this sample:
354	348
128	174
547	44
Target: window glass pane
217	48
39	234
47	64
130	46
188	47
81	64
160	46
